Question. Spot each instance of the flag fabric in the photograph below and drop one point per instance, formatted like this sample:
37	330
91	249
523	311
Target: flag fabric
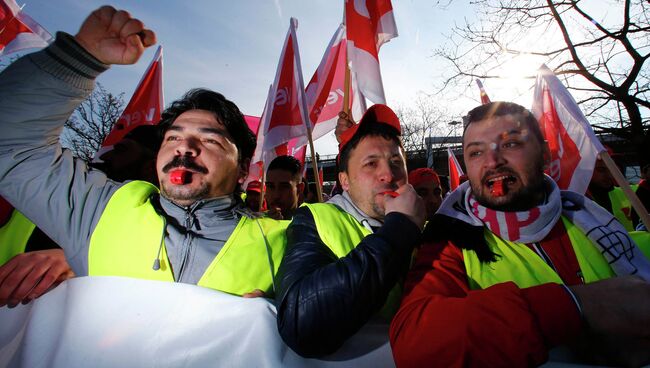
455	171
145	105
286	116
256	167
253	123
327	86
574	146
370	24
18	31
484	97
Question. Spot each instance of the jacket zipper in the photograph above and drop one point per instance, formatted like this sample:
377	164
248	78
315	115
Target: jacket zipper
187	243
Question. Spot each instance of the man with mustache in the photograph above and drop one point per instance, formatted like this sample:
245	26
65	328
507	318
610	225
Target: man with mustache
514	267
344	257
193	229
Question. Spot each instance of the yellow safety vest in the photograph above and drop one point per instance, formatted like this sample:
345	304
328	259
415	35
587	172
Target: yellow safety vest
341	232
14	236
130	231
642	240
621	206
518	263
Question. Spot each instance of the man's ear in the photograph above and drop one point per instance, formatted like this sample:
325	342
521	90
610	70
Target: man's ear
344	180
300	188
243	170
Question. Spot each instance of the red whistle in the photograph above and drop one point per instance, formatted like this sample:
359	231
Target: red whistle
390	193
497	188
180	176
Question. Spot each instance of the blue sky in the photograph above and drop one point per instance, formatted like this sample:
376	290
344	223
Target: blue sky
233	46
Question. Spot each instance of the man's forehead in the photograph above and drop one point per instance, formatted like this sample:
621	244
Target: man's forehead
499	127
279	176
198	117
375	144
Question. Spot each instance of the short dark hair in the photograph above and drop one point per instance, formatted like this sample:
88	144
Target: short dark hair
224	110
368	130
287	163
502	108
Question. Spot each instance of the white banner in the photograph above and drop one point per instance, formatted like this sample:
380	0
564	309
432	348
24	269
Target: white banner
122	322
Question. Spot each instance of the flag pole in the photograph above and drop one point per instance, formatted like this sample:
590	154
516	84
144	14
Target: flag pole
346	88
314	166
622	182
303	107
263	188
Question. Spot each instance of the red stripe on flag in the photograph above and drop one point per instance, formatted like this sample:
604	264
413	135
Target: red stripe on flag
146	104
455	171
574	146
18	31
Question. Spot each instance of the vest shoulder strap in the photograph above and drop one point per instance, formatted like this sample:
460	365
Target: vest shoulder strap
129	235
339	230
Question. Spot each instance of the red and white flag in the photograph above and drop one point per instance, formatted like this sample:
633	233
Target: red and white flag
573	144
484	97
370	24
326	89
455	171
262	157
146	103
286	116
18	31
255	168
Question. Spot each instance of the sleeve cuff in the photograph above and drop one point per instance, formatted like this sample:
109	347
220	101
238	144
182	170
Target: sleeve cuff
70	62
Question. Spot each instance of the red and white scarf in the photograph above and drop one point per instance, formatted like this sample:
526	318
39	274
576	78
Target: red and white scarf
531	226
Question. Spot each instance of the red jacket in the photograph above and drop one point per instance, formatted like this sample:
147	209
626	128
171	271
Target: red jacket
441	322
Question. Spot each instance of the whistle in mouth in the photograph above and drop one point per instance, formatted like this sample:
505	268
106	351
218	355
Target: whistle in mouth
180	177
497	189
391	193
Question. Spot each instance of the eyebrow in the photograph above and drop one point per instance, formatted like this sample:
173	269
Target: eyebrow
502	135
219	131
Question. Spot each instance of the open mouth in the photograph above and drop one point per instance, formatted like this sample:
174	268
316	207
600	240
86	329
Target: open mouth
498	185
505	179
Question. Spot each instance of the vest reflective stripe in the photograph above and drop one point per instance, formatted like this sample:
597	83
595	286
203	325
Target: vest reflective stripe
130	231
341	232
14	236
621	206
518	263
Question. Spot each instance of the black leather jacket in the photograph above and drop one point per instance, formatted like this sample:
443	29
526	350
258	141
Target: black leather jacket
323	300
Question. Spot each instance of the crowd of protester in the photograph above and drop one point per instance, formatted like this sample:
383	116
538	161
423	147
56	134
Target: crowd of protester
502	271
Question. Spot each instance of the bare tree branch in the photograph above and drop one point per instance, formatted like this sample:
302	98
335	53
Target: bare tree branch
92	121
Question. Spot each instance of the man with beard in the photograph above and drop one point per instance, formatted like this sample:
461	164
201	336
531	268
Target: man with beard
345	257
194	229
514	267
